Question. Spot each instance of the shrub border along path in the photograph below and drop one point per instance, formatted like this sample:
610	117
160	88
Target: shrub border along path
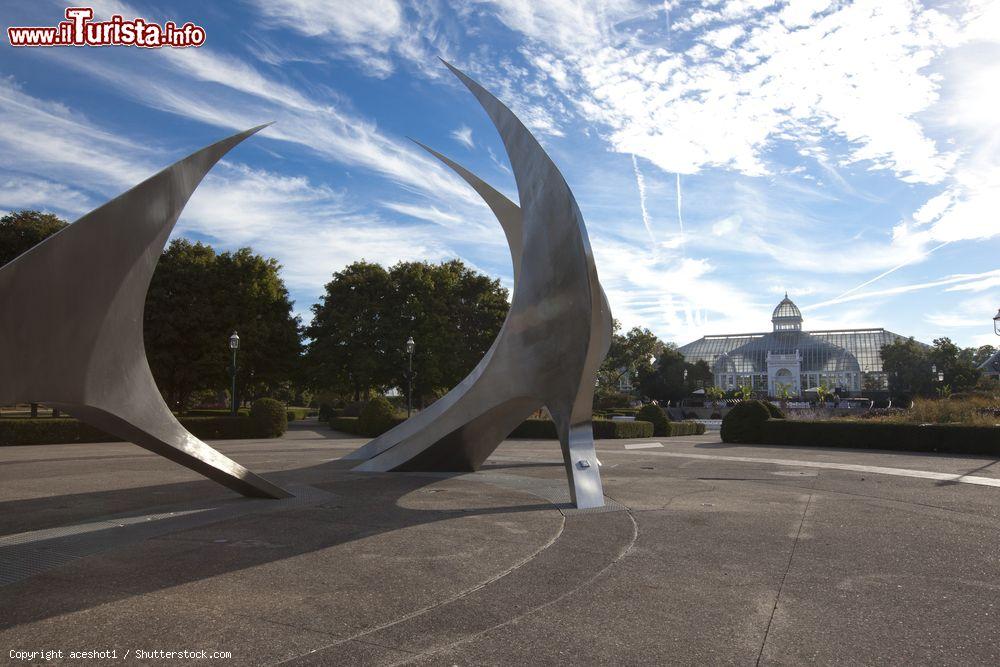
545	429
942	438
269	423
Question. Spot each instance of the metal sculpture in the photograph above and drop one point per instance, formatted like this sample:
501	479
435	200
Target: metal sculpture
71	313
550	346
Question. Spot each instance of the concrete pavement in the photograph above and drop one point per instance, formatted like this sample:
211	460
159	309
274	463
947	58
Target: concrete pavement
709	553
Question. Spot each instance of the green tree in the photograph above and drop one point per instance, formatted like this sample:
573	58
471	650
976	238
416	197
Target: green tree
347	352
958	365
453	314
359	329
664	380
22	230
671	378
632	353
908	367
196	299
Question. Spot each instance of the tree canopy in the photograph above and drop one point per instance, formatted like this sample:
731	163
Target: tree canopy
632	353
197	298
908	365
360	327
672	378
22	230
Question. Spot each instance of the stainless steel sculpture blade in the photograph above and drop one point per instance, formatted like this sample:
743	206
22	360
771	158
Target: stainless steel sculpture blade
547	353
72	314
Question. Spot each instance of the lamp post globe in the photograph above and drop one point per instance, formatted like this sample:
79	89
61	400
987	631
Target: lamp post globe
996	322
410	346
234	344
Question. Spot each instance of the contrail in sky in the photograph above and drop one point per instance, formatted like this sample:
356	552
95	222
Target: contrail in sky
640	183
837	298
680	218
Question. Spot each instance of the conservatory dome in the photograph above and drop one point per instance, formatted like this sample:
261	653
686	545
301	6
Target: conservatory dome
786	316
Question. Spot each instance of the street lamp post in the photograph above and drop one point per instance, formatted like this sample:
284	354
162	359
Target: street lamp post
410	346
234	344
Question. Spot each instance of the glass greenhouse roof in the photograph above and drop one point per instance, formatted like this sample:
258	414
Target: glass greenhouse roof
822	351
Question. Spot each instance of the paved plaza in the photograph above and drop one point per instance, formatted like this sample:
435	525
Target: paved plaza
707	553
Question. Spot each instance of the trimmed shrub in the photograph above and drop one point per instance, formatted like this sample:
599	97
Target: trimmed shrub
345	424
353	409
352	425
49	431
376	417
545	429
655	415
536	429
216	412
297	413
270	417
744	421
608	430
685	428
774	411
66	430
325	412
223	428
950	438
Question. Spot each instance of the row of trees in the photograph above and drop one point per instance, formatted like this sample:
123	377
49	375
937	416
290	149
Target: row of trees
355	344
198	297
915	369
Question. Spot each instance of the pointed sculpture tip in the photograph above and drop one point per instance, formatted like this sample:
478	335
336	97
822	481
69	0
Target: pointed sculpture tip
258	128
422	145
462	76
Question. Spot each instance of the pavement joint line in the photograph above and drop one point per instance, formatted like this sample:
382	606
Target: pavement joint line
784	575
877	470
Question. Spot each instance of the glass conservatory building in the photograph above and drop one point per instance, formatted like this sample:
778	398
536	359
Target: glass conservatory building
847	361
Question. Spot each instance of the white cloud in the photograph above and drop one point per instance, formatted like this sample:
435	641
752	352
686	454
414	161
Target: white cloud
324	128
373	21
52	141
20	192
463	135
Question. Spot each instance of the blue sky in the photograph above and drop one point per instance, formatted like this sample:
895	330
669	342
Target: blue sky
722	152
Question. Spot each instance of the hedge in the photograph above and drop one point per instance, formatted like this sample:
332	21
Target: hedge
545	429
66	430
685	428
297	413
951	438
352	425
216	412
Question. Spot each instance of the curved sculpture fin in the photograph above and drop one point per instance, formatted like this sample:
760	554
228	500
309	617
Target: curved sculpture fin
507	213
71	333
550	345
